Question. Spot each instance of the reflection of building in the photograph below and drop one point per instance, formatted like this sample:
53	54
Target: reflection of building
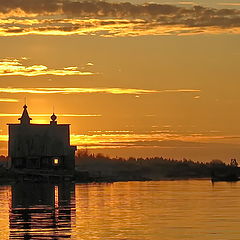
42	211
40	146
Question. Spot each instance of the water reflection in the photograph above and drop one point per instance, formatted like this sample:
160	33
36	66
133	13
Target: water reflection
42	211
189	210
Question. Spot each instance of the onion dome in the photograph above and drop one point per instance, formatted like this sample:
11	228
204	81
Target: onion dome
53	117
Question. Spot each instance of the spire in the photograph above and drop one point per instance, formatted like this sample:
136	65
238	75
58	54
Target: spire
25	119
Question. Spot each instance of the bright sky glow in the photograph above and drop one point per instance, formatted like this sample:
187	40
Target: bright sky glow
132	78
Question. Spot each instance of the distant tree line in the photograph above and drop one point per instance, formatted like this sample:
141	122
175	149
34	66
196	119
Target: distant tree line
98	167
150	168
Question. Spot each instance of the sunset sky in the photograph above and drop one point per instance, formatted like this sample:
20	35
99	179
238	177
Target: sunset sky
137	78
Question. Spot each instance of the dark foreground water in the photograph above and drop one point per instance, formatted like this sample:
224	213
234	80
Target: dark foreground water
160	210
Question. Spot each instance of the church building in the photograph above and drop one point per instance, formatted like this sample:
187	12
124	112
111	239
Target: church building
40	146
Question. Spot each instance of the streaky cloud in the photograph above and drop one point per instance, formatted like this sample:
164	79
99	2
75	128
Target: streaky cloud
103	139
229	4
186	3
47	115
15	67
128	139
9	100
131	91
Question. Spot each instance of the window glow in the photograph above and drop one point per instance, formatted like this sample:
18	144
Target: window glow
55	161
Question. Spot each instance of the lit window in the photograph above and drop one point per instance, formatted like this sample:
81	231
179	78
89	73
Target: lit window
55	161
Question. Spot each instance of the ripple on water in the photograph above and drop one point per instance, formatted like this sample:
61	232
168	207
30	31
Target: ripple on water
160	210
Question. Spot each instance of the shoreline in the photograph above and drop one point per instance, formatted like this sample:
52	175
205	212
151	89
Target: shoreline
5	181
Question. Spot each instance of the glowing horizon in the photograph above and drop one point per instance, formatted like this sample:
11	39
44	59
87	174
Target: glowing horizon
132	78
47	115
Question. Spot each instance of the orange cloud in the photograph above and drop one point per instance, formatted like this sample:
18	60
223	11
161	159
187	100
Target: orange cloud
119	27
92	90
229	4
128	138
187	3
105	139
114	19
15	67
161	140
10	100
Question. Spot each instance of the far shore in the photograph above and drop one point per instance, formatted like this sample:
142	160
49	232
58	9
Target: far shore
90	168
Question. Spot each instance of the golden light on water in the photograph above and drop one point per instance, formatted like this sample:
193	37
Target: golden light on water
197	205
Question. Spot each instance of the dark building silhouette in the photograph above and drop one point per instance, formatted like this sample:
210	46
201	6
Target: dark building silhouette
40	146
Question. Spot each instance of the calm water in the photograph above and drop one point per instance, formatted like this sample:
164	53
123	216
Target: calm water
121	211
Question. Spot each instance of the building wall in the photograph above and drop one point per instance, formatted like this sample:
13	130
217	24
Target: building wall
37	145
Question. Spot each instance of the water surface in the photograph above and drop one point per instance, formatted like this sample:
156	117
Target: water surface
160	210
